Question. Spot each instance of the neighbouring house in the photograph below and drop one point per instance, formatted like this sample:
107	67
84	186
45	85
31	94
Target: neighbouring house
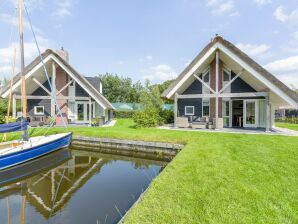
79	98
224	87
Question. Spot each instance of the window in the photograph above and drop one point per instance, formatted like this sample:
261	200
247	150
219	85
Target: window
206	108
39	110
189	110
72	83
206	77
226	75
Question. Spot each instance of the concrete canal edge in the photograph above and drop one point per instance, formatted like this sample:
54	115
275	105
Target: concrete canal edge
127	147
94	144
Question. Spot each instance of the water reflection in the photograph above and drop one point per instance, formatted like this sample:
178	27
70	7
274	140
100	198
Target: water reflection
76	187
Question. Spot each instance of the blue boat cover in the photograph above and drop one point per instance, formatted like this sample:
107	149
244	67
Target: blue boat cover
15	126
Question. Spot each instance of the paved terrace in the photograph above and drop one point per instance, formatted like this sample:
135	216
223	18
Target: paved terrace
260	131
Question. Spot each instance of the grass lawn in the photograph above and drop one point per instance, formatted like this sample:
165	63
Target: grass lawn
216	178
287	125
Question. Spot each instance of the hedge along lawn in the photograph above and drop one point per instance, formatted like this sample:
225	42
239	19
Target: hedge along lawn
287	125
216	178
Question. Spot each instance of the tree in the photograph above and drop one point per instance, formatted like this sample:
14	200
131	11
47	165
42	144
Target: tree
120	89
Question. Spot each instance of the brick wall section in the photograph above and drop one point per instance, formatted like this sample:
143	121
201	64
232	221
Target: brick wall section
62	80
213	86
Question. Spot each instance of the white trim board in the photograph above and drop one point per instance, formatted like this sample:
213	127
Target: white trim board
243	64
39	65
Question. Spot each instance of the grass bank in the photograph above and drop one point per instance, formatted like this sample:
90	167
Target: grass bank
287	125
216	178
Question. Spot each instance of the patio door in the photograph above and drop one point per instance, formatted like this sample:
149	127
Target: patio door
250	113
82	112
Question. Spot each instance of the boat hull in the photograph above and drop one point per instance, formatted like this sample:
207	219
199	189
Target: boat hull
25	155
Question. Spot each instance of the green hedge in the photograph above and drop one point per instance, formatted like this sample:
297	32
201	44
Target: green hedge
293	120
124	114
147	118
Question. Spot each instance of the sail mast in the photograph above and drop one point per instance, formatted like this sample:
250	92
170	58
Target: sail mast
24	98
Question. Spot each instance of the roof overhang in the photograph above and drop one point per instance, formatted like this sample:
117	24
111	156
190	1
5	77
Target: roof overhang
54	58
199	65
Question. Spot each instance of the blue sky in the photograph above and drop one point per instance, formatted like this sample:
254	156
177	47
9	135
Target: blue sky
155	39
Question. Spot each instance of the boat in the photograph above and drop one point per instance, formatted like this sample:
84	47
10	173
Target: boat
31	168
27	149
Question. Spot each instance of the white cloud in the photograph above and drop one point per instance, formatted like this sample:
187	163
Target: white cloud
262	2
285	69
63	9
220	7
292	45
286	17
30	50
161	73
254	50
121	62
149	57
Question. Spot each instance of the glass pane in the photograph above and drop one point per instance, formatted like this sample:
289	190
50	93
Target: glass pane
225	108
250	113
80	112
226	122
226	76
189	110
206	108
206	77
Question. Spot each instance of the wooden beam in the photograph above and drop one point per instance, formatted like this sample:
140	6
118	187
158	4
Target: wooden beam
223	95
53	103
216	87
14	106
50	97
230	82
64	87
267	114
205	84
90	110
42	86
175	109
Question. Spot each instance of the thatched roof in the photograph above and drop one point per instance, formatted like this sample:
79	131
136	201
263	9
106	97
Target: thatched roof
244	57
86	83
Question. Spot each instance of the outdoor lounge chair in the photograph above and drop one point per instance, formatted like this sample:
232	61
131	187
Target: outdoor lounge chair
182	122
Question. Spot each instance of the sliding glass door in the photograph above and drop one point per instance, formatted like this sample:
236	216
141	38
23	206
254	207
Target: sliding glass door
250	113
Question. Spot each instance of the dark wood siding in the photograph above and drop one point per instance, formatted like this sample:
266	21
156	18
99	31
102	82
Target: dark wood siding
45	102
194	88
197	103
40	91
80	91
240	86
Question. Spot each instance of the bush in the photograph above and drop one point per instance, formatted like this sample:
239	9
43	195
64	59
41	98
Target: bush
124	114
290	120
167	116
148	118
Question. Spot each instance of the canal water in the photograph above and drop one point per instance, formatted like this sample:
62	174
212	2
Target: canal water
74	186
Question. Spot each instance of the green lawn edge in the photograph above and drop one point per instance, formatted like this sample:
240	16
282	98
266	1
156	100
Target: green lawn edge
216	178
287	125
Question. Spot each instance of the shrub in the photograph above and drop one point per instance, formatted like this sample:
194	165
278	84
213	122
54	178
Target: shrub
290	120
124	114
148	118
167	116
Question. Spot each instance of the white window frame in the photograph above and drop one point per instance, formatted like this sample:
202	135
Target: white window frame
189	114
204	88
227	70
205	100
38	113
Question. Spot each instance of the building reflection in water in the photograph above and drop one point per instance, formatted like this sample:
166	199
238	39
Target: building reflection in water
47	185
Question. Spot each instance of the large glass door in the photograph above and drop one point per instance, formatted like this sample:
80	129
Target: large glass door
250	113
81	112
226	112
